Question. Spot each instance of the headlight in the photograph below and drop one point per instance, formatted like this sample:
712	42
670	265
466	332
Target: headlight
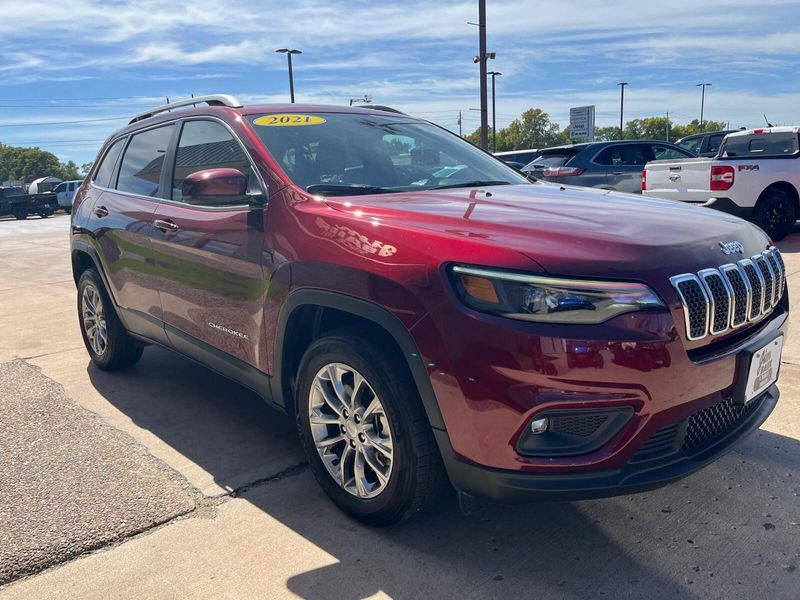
549	299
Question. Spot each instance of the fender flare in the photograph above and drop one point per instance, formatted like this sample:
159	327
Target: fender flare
366	310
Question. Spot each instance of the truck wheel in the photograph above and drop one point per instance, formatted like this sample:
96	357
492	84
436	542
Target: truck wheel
364	431
20	215
775	214
109	345
44	214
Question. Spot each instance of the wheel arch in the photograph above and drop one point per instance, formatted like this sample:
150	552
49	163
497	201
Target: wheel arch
308	313
785	187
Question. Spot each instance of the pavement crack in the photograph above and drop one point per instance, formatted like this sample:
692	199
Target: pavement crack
280	475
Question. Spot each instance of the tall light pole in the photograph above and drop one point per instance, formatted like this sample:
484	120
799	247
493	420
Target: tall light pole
494	111
481	58
288	54
621	85
702	86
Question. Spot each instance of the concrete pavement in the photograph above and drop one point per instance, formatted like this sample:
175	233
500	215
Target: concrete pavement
264	529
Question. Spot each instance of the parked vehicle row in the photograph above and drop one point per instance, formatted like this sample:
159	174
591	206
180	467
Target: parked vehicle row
614	165
16	202
755	175
424	312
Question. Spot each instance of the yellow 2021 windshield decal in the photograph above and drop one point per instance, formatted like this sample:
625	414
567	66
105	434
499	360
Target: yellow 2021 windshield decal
288	120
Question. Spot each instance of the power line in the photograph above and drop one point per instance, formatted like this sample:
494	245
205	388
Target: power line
42	123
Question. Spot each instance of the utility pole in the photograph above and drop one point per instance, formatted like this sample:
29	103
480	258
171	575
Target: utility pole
621	85
667	138
702	86
494	111
482	55
460	133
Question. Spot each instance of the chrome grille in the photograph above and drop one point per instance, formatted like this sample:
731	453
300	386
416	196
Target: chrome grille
716	300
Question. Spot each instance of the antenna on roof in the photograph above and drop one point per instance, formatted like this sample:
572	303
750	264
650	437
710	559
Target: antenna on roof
767	120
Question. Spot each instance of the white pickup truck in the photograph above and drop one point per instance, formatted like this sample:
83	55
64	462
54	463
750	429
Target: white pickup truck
755	175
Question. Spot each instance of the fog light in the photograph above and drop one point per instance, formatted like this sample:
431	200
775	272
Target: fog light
539	426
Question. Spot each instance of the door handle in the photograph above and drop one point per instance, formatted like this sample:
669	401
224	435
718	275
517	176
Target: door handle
165	225
101	211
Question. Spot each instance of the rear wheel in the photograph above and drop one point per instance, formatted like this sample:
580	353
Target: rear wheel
775	214
45	213
365	433
20	215
109	345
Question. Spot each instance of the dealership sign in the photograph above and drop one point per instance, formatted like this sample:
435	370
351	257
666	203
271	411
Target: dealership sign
581	123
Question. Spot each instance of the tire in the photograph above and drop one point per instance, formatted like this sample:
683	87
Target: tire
45	214
775	214
414	476
118	350
20	215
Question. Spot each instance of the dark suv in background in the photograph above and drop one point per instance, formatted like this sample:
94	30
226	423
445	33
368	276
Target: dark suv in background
704	144
615	165
423	311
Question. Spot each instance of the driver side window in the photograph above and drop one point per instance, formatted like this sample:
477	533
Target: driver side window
207	145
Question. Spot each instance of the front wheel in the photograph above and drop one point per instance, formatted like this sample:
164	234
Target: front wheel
775	214
20	215
364	431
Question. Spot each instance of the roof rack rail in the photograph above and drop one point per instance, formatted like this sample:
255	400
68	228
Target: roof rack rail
380	107
212	100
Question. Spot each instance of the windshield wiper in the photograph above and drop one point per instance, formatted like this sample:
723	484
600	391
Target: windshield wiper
477	183
345	189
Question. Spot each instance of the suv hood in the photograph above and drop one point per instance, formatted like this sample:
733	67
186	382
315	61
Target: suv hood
570	230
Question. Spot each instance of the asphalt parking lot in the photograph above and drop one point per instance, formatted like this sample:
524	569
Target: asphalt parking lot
169	481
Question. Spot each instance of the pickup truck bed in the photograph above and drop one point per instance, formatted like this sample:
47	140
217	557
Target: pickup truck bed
756	176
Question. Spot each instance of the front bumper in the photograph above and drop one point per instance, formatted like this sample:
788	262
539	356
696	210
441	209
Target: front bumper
671	453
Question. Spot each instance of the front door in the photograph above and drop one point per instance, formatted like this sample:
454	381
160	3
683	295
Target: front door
624	166
209	253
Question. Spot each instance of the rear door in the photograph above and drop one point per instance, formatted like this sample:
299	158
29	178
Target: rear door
210	254
624	165
122	221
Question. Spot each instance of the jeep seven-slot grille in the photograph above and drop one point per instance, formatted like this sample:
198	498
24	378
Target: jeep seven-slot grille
716	300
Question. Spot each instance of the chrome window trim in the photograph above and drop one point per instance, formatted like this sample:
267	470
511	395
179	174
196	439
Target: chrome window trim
675	281
704	275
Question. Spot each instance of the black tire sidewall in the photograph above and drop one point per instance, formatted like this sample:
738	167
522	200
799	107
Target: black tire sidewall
90	277
392	501
766	204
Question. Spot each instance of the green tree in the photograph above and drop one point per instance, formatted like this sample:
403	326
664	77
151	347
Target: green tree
27	164
85	168
533	129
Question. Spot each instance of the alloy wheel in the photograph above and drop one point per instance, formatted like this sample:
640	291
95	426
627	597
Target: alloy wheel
94	320
351	430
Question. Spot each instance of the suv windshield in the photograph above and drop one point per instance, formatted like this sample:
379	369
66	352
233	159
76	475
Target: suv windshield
347	153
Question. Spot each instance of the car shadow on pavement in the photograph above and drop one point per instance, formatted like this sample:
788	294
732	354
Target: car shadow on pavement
729	530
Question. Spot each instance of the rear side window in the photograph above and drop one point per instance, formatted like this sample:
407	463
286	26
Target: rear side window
769	144
207	145
714	141
140	171
692	145
103	175
551	159
625	155
668	153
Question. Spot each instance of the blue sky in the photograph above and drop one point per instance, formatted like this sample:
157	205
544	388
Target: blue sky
103	61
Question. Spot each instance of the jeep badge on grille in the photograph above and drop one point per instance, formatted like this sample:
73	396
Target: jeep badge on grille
731	247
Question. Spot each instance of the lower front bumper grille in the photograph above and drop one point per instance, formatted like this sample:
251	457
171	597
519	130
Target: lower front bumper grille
697	432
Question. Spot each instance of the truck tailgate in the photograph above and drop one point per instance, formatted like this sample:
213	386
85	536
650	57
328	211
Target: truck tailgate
684	180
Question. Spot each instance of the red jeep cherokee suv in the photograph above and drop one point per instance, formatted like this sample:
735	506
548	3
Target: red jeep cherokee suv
422	310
